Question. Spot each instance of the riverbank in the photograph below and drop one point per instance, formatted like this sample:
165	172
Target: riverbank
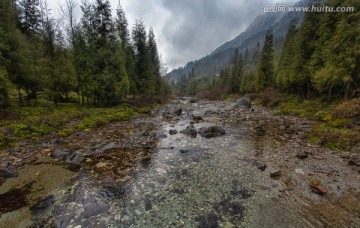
148	172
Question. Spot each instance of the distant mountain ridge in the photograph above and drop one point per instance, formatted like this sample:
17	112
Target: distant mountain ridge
254	34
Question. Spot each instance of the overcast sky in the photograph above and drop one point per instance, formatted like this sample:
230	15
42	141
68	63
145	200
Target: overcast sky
187	30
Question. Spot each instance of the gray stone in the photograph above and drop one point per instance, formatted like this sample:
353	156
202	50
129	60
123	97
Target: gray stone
110	146
193	100
74	158
242	102
197	119
8	172
161	136
190	131
57	153
173	132
93	209
275	174
178	112
213	131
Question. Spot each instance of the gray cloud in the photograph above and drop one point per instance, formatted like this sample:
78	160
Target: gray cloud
190	29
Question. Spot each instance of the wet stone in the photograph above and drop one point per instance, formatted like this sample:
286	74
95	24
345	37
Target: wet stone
354	162
261	165
178	112
8	172
302	155
148	204
57	153
74	158
93	209
190	131
173	132
161	136
15	198
193	100
108	147
210	132
275	174
42	205
197	119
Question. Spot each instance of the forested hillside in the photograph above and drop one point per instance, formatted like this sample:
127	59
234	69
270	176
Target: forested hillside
247	42
319	58
98	58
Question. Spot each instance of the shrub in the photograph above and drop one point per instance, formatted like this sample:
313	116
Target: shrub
270	97
348	109
323	116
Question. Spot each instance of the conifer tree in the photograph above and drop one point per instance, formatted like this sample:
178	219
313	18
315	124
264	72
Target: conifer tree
265	71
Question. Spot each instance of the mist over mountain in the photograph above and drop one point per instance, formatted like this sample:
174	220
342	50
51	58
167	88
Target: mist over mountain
250	38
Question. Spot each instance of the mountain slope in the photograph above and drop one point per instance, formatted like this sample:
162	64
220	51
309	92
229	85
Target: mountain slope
254	34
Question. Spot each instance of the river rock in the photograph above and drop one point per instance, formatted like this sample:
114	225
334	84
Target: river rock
242	102
57	153
173	132
193	100
197	119
95	209
178	112
148	204
354	161
74	158
161	136
261	165
213	131
275	174
108	147
190	131
8	172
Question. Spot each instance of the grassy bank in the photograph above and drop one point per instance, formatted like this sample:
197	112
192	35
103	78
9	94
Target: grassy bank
37	122
337	122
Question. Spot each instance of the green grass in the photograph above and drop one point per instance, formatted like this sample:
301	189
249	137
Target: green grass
36	122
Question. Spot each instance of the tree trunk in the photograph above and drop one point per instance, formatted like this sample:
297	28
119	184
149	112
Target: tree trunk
78	96
20	96
308	91
56	98
67	96
28	97
82	99
329	93
346	95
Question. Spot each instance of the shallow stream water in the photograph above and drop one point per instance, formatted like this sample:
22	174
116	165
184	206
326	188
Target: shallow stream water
184	182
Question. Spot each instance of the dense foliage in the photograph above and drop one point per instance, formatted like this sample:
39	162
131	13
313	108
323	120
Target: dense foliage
97	58
319	58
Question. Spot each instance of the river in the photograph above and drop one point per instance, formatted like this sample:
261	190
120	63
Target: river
137	174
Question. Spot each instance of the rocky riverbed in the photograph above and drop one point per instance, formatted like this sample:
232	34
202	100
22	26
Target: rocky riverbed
190	163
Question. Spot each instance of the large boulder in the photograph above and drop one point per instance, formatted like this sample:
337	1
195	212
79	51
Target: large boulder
190	131
213	131
178	112
242	102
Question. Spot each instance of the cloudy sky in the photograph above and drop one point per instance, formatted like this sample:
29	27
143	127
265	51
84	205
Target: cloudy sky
187	30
